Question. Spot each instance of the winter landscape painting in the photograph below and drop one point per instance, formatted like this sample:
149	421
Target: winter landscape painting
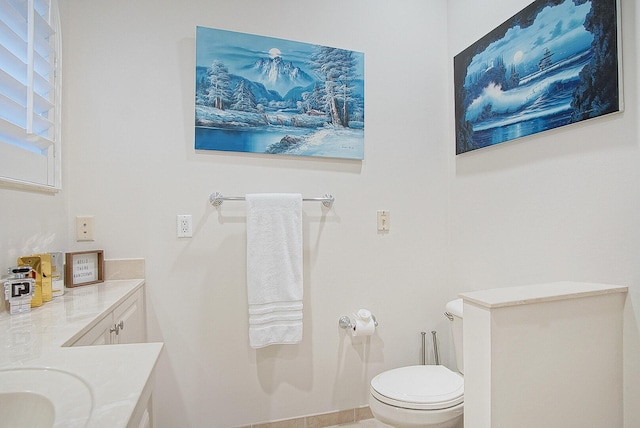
266	95
552	64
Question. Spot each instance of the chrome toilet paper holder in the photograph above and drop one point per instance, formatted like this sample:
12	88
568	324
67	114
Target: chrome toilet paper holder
345	322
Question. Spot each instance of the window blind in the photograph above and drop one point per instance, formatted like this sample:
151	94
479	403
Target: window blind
30	92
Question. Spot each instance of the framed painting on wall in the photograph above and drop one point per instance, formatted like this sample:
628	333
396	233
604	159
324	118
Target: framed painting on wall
266	95
554	63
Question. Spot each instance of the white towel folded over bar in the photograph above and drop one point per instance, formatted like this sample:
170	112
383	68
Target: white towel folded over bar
274	268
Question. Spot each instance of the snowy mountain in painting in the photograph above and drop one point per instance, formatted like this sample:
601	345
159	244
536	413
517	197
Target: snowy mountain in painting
277	74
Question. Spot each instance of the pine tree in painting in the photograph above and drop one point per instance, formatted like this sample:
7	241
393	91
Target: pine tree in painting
219	81
312	102
336	67
243	98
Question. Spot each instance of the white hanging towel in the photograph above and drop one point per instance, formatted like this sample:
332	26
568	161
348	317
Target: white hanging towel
274	268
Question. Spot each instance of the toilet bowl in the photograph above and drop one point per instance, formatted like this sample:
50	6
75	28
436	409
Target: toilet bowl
429	396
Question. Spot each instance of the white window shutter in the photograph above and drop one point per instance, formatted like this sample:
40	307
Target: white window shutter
30	46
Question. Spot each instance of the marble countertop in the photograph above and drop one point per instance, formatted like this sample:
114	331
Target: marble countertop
117	374
538	293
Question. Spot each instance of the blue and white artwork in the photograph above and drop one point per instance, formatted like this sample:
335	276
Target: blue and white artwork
552	64
266	95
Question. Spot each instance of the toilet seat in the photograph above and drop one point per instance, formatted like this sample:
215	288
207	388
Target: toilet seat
419	387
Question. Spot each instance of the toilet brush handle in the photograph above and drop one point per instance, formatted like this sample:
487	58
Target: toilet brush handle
435	348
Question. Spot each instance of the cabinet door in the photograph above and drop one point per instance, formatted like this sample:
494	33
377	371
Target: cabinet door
100	334
130	317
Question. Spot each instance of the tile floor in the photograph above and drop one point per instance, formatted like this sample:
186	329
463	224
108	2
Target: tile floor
366	423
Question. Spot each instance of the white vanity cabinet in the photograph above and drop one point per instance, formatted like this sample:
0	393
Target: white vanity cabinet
124	324
129	320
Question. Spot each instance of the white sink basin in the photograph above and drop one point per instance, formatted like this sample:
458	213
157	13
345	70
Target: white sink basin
43	397
25	409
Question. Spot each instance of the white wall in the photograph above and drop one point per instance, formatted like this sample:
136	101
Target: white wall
30	223
129	102
563	205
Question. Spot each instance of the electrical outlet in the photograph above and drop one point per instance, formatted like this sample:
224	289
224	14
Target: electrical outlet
184	225
84	228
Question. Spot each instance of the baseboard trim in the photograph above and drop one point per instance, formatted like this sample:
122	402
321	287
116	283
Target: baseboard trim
318	420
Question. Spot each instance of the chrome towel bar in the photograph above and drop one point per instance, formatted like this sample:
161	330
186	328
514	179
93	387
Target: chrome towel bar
216	199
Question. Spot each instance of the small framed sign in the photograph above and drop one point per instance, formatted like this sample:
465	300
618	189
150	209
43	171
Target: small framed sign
83	268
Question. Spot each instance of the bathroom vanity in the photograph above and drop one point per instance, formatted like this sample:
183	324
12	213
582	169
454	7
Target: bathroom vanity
51	342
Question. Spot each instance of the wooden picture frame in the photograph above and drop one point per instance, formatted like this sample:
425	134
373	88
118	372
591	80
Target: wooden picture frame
84	268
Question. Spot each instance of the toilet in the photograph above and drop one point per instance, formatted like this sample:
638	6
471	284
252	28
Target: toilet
430	396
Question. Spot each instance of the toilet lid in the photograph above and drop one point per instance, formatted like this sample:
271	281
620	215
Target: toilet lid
419	387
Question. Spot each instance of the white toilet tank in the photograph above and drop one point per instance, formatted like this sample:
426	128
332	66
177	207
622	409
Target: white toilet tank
454	312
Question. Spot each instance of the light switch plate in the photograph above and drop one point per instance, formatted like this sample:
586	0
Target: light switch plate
383	221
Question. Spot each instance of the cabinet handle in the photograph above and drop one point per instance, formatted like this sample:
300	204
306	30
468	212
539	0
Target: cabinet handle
117	327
